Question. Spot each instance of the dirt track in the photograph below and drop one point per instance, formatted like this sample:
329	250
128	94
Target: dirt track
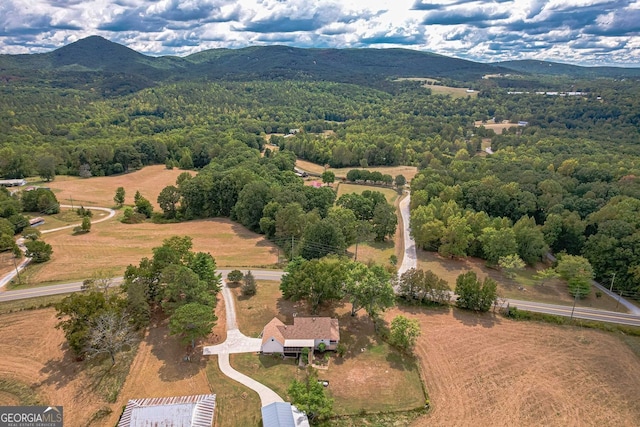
484	371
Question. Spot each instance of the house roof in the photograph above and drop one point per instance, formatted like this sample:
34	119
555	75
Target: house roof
272	330
283	414
177	411
303	328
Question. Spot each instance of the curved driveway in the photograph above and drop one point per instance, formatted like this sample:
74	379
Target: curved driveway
25	261
237	342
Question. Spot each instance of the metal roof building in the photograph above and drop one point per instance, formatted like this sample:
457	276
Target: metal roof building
179	411
283	414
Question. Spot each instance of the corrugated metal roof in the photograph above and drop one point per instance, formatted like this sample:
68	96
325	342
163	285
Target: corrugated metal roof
283	414
177	411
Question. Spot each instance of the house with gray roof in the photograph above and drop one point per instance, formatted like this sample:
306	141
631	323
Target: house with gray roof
283	414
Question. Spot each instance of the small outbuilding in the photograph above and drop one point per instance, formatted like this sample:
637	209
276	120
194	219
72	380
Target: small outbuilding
178	411
283	414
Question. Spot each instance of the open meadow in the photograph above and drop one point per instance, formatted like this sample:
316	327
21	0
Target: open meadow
99	191
484	370
111	246
408	171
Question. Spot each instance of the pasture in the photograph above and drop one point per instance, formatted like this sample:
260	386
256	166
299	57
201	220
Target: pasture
111	246
480	369
408	171
99	191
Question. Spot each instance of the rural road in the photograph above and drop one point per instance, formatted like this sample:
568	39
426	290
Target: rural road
410	258
409	261
25	261
537	307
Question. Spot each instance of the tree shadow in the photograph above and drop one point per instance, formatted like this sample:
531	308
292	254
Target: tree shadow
60	372
400	361
179	361
474	318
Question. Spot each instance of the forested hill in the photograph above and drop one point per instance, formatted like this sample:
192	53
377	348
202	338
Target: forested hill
558	69
96	54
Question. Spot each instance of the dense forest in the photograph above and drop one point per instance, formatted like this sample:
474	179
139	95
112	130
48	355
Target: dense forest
566	180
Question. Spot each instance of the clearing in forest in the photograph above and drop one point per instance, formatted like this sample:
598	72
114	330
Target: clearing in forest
99	191
408	171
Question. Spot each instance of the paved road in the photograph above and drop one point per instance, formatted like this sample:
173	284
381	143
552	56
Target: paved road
25	261
410	258
538	307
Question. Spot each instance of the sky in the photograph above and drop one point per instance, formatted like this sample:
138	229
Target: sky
583	32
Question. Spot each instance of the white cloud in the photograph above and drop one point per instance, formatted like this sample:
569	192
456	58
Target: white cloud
580	31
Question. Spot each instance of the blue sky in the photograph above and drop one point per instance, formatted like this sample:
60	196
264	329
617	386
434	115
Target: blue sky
586	32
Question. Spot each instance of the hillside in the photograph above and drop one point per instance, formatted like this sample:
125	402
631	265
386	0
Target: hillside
558	69
96	54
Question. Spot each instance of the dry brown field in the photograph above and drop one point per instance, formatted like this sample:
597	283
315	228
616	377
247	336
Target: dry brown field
99	191
111	246
497	127
33	353
408	171
482	370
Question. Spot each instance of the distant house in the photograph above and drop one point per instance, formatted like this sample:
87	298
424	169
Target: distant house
306	332
179	411
523	123
12	182
34	222
283	414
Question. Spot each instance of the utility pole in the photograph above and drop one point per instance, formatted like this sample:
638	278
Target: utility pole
574	303
612	280
15	264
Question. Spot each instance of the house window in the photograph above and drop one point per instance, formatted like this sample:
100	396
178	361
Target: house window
333	342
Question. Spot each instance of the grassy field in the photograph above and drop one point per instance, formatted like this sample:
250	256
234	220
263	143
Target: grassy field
523	287
343	188
482	369
378	252
408	171
99	191
112	245
372	377
497	127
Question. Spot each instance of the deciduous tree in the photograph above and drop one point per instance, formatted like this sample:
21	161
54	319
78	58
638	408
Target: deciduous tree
404	333
473	294
192	321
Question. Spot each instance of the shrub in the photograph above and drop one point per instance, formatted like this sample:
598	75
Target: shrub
322	347
235	276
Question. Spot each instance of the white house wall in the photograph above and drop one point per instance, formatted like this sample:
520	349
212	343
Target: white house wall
272	346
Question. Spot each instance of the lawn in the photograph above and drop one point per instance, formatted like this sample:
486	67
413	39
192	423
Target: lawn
523	287
371	377
236	405
343	188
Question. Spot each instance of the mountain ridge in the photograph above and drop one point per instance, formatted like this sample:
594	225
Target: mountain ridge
366	66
